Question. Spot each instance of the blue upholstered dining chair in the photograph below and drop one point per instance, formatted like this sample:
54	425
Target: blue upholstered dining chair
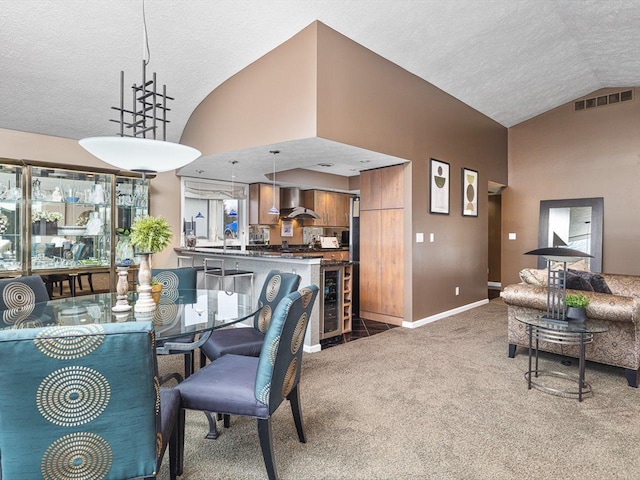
21	302
256	386
248	341
176	282
84	402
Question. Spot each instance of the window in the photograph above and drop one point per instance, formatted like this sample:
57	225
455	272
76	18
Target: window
214	212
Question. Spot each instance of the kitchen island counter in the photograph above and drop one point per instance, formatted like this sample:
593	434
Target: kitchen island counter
308	267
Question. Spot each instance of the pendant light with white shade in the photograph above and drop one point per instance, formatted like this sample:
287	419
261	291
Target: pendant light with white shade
139	150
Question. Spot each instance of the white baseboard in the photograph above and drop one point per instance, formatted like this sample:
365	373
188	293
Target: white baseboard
495	285
312	348
448	313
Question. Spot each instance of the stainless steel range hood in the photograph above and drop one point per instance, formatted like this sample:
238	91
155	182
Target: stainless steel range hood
291	204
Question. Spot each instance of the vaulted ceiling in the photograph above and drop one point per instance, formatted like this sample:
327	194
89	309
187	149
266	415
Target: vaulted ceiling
509	59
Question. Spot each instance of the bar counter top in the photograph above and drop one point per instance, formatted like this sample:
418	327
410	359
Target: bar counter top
297	253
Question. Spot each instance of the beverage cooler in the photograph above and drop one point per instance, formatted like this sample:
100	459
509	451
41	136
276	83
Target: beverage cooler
331	302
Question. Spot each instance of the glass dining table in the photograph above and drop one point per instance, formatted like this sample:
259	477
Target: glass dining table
193	314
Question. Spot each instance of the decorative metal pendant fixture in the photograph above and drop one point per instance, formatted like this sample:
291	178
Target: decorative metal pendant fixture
139	149
273	210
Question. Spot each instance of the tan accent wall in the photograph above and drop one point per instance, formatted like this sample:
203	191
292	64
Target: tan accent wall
566	154
272	100
369	102
66	151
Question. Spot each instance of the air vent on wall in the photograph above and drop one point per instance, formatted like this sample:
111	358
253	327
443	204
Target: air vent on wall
602	100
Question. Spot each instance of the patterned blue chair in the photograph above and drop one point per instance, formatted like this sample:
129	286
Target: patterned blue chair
176	282
84	402
255	387
22	302
248	341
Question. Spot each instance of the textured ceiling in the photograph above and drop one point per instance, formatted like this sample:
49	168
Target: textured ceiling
509	59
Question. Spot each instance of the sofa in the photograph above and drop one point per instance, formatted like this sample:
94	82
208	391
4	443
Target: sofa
619	310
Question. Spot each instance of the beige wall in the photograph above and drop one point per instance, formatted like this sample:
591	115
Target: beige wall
369	102
565	154
272	100
66	151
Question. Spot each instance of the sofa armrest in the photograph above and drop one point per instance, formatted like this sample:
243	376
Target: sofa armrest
602	306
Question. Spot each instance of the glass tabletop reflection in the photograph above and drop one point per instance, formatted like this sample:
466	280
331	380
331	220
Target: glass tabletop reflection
178	312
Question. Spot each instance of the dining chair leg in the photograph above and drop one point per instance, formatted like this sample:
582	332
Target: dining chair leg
189	364
226	420
174	452
266	444
203	359
180	455
294	399
213	427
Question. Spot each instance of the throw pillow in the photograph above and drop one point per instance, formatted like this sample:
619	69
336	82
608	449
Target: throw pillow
576	282
534	276
595	279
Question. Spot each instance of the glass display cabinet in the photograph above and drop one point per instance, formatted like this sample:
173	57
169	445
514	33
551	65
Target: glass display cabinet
67	223
11	220
70	219
131	202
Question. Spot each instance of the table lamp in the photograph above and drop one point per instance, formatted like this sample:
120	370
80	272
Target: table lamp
557	279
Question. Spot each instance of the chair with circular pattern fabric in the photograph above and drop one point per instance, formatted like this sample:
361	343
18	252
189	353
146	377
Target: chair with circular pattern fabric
256	386
178	282
248	341
84	401
23	302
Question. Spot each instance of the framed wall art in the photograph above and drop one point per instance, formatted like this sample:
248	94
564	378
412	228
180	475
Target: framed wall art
439	187
287	228
469	193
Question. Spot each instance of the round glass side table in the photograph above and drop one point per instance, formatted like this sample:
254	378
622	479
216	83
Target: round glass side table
570	333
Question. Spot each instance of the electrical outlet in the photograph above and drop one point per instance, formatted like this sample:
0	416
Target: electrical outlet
432	237
512	236
457	290
419	237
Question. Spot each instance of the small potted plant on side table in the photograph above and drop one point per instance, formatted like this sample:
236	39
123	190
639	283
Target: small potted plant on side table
149	235
576	306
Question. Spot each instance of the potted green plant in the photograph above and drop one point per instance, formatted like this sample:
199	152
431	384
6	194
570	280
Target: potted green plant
149	235
576	306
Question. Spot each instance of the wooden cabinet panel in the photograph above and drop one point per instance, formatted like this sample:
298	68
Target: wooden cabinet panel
343	210
370	264
261	199
382	188
391	187
330	206
370	190
381	248
392	261
337	255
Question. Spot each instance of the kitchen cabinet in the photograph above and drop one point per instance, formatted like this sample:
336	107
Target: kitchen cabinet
342	255
261	198
382	247
333	208
64	222
382	188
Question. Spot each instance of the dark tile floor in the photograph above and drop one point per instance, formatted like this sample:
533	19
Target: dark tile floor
360	328
365	328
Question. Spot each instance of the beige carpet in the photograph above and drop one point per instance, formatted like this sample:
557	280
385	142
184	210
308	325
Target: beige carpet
442	401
